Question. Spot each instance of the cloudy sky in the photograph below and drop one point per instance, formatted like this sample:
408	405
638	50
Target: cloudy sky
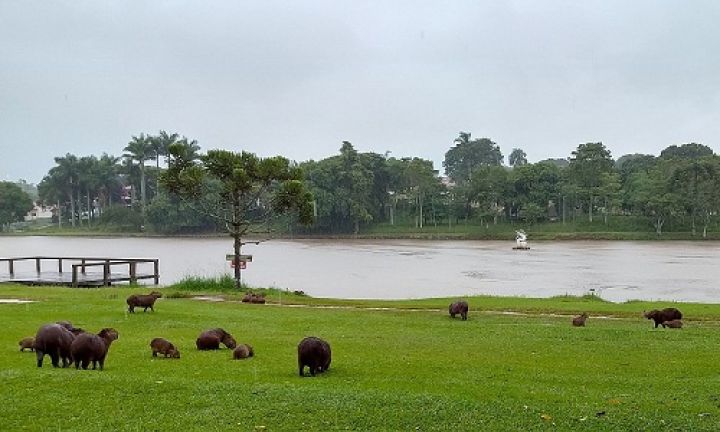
298	77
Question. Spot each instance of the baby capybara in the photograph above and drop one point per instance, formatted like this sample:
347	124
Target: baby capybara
667	314
165	347
243	351
459	307
673	324
143	301
210	340
314	353
53	340
88	347
579	321
27	343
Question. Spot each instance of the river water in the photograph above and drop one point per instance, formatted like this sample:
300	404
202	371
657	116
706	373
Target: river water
397	269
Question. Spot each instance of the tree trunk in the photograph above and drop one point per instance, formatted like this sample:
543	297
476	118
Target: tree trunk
420	201
590	208
658	225
142	191
90	212
72	209
237	247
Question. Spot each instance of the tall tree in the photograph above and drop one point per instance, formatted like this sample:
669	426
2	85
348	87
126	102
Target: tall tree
686	151
65	177
14	203
139	149
468	154
587	166
253	189
517	158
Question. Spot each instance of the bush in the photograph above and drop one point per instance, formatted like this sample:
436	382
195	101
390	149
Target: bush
121	218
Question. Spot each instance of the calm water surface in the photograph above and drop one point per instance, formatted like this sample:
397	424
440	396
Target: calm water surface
396	269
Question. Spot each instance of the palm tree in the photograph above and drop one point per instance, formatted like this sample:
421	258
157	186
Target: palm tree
67	172
160	145
140	150
107	179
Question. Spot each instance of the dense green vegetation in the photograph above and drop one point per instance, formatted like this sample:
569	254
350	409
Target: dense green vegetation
589	194
400	370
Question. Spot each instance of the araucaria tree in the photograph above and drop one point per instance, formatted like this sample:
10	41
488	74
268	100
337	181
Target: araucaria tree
253	190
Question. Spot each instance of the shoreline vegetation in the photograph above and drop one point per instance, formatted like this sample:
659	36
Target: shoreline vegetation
541	232
515	364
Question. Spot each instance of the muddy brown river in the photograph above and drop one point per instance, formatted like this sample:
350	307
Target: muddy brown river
397	269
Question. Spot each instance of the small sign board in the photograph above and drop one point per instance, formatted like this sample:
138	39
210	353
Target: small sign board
230	257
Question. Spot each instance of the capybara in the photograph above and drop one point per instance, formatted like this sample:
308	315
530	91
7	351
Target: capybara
210	339
579	321
53	340
165	347
27	343
88	347
459	307
667	314
676	323
243	351
314	353
143	301
253	298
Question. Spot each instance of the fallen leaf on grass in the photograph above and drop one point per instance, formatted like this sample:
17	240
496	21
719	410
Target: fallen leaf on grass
614	401
546	417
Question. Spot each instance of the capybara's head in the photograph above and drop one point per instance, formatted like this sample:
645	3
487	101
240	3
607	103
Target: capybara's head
584	315
156	294
229	341
174	353
650	314
109	333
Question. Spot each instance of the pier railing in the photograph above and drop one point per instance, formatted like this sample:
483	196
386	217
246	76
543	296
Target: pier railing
79	266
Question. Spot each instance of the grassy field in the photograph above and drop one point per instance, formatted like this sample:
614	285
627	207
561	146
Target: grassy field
411	368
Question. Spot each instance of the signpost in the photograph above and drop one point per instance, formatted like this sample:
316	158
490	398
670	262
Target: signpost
244	259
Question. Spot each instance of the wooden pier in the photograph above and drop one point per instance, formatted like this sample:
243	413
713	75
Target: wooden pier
78	271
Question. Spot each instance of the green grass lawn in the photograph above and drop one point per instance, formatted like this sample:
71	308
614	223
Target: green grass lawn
408	369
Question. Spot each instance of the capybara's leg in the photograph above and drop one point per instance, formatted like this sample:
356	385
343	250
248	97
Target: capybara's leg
152	308
131	309
102	364
313	368
85	363
300	368
77	365
55	357
464	316
452	315
40	355
154	353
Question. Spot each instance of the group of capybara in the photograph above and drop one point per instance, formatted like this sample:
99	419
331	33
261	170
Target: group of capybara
64	342
68	344
668	317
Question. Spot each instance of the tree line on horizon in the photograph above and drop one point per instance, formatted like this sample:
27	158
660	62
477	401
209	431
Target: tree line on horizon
352	190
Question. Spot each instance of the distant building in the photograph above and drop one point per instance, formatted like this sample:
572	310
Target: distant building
40	212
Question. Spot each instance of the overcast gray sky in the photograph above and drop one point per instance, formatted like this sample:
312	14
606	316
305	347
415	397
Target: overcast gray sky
297	77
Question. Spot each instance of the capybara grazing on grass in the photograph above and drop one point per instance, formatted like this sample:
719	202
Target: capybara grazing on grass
676	323
164	347
253	298
667	314
579	321
210	340
143	301
53	340
459	308
314	353
243	351
88	347
27	343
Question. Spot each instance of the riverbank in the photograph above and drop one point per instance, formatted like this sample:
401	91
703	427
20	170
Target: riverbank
400	370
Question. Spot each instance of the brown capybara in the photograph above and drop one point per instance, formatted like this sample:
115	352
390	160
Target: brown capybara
667	314
676	323
210	339
459	307
314	353
243	351
27	343
579	321
253	298
165	347
88	347
143	301
54	340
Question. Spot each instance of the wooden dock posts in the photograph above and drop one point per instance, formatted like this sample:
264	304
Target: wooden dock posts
113	270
